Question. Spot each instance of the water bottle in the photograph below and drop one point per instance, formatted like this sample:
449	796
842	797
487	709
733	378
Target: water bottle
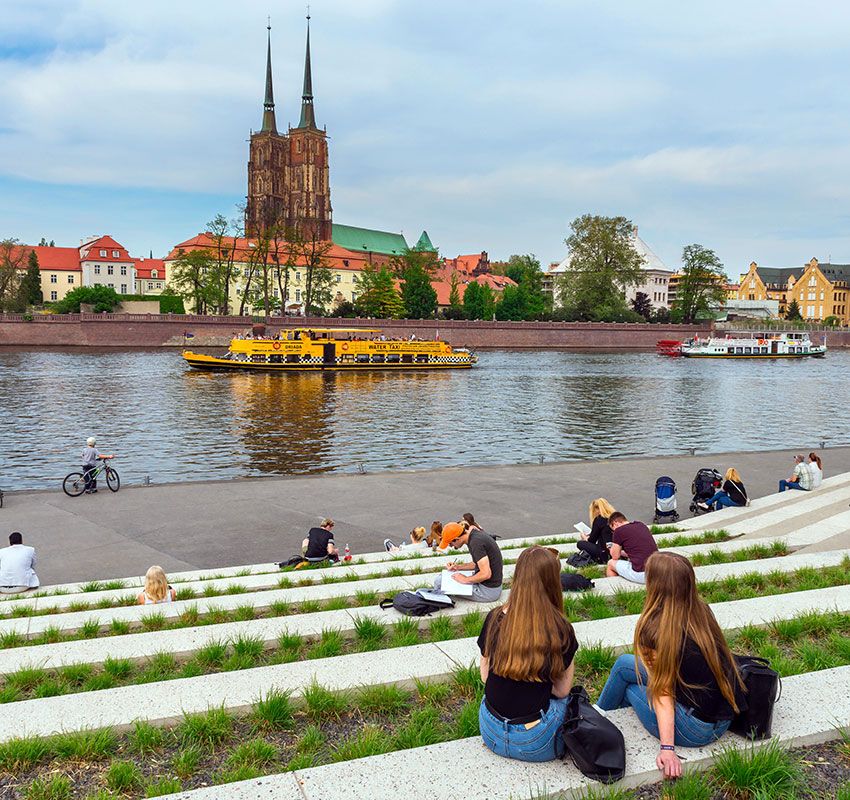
347	553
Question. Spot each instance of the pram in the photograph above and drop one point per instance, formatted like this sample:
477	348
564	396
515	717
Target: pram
705	484
665	500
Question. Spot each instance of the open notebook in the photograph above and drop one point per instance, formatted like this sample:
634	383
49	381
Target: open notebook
582	528
448	585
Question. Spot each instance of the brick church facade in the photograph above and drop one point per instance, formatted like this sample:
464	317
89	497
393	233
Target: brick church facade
288	174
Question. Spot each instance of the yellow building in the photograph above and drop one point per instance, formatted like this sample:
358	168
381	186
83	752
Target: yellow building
821	290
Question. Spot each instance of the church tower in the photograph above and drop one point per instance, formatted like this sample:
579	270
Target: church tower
288	175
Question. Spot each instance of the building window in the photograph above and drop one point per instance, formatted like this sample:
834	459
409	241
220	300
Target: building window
110	270
54	279
111	285
123	269
53	295
103	253
116	254
123	288
70	279
97	269
345	262
339	278
297	295
813	281
159	284
298	276
154	273
353	296
276	294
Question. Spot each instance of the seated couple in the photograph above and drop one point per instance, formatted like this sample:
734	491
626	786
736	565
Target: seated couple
732	494
683	684
807	474
486	565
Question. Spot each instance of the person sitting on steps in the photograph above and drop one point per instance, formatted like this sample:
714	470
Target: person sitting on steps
319	544
596	543
732	494
17	566
683	682
632	544
486	563
815	466
800	479
417	542
435	537
156	589
527	663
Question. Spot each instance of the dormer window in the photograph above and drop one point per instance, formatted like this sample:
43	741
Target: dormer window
103	253
116	254
154	273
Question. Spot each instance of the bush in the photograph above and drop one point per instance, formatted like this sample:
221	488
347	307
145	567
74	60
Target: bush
345	309
103	298
171	304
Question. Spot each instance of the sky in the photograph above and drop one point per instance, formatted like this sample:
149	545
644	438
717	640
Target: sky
492	125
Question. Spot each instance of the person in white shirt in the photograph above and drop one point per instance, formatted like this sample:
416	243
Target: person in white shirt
89	457
17	566
417	542
816	469
801	478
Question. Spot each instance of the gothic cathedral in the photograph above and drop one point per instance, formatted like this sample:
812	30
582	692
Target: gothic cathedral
288	175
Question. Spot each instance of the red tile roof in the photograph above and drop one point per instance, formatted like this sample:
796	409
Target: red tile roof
145	265
90	251
60	259
442	284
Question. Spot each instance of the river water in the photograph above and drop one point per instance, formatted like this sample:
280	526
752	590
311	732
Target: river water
171	423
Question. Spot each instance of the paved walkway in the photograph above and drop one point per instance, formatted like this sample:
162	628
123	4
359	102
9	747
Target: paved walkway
215	524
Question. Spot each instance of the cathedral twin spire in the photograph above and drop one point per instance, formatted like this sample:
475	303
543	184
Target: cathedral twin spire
308	116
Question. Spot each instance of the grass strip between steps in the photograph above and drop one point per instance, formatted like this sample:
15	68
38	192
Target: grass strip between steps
326	727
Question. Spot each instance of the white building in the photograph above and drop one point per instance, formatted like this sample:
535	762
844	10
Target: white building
656	275
104	262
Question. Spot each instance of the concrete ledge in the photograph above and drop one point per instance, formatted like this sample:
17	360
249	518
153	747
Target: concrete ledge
467	769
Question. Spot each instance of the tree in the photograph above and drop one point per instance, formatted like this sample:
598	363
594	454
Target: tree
832	321
642	305
478	301
378	296
603	264
419	296
525	271
224	235
702	287
793	311
661	315
102	298
344	309
30	287
191	278
455	309
12	259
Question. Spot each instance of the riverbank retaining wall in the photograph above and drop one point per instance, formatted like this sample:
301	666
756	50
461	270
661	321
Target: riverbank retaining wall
165	330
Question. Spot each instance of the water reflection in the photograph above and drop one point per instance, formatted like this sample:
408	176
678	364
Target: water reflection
175	424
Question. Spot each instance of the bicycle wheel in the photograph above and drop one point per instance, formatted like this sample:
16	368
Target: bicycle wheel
74	484
112	479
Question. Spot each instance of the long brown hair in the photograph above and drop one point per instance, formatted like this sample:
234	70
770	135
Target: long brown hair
672	612
436	533
528	639
816	458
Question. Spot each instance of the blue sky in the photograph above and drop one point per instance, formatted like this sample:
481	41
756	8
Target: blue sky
492	125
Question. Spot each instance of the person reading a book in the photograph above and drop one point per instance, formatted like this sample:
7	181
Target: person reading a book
595	540
483	573
682	682
527	650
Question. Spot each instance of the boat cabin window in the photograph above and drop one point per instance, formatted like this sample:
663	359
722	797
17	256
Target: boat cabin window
275	359
421	358
362	358
805	349
292	358
378	358
306	357
407	358
393	358
730	350
739	351
748	351
258	358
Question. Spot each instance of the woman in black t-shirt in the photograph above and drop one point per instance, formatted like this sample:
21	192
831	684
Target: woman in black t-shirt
683	684
527	649
730	495
596	542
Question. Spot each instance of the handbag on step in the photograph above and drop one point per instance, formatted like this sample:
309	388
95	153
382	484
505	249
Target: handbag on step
594	743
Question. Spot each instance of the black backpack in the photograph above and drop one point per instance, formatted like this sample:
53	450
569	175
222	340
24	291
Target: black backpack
415	605
580	559
764	688
575	582
594	743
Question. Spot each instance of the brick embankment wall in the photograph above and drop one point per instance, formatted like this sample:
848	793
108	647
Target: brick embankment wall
136	330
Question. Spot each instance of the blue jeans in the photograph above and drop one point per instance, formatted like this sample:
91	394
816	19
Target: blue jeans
783	485
543	742
622	689
721	500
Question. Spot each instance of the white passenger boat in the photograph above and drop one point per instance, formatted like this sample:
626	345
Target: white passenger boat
755	345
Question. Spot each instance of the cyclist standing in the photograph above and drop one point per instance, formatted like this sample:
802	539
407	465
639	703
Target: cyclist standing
89	457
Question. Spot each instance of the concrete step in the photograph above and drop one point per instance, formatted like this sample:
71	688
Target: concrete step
469	770
164	703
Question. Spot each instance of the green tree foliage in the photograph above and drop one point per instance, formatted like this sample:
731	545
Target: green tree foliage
832	321
344	309
12	264
30	287
478	301
169	302
194	278
603	264
525	271
102	298
793	311
419	296
702	287
455	310
377	295
642	305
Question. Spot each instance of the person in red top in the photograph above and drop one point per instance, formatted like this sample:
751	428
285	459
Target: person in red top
632	541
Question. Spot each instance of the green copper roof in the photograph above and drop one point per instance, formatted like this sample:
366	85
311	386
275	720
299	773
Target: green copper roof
424	243
364	240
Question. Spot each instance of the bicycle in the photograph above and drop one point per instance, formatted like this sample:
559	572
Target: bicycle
1	498
75	482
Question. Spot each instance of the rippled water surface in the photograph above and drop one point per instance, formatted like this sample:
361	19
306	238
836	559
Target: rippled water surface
171	423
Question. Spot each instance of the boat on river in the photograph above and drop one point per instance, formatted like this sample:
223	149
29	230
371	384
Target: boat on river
344	349
738	345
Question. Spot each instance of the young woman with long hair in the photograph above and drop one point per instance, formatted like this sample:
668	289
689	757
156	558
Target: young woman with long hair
815	466
596	542
682	683
156	589
527	650
731	494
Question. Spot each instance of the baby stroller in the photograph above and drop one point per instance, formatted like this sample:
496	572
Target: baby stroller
706	483
665	500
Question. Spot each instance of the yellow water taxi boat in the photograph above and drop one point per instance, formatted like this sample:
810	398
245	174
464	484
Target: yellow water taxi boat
300	349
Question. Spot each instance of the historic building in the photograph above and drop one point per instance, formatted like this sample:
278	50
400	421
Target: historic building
288	175
821	290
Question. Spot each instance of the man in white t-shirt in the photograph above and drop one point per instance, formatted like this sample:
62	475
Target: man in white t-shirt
801	478
17	566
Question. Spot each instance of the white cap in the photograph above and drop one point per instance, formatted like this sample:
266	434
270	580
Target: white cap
90	441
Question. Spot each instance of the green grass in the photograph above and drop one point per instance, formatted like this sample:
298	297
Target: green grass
769	772
389	700
20	754
86	745
123	776
370	740
145	738
205	729
162	786
55	787
256	753
691	786
320	703
404	633
369	632
186	760
274	710
424	726
330	644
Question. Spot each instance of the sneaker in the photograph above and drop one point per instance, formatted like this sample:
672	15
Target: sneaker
704	506
93	491
388	545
